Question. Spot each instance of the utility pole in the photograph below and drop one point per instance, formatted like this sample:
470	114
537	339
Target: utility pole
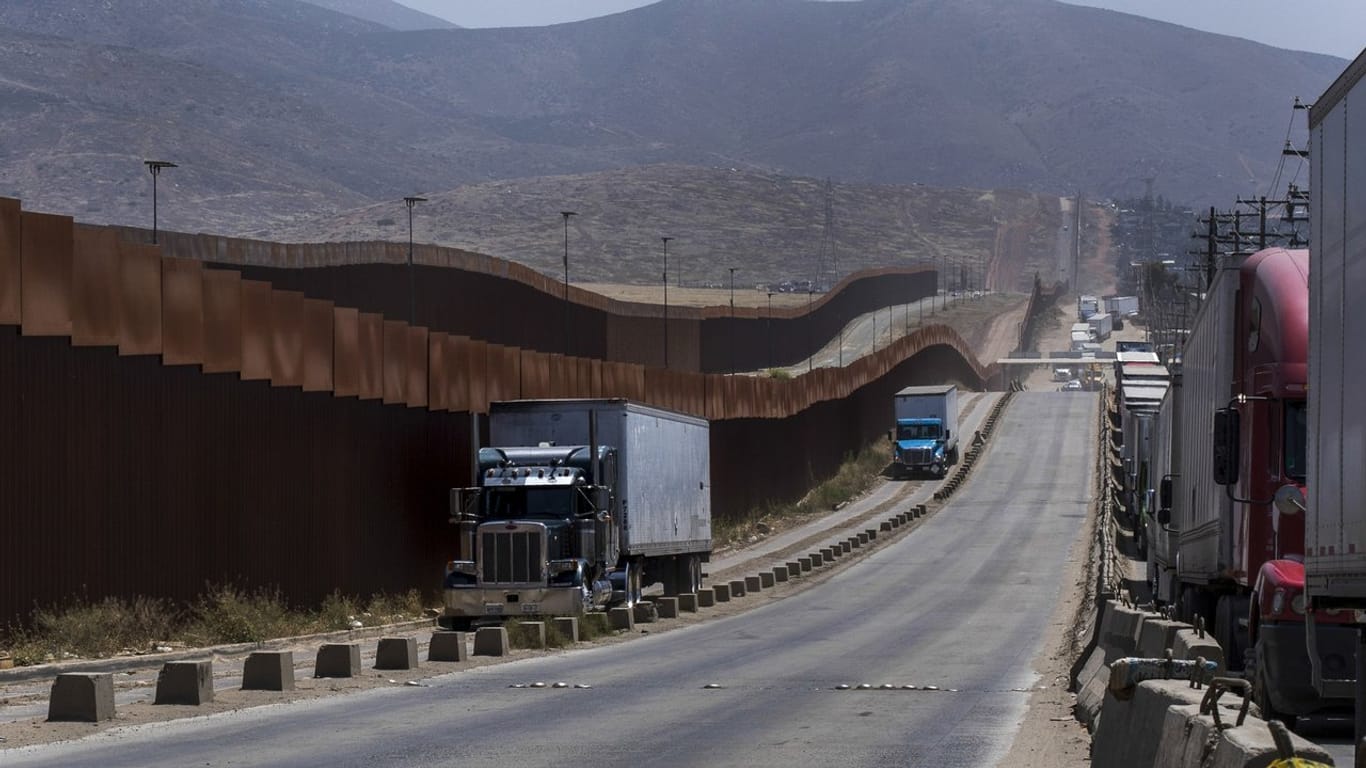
732	321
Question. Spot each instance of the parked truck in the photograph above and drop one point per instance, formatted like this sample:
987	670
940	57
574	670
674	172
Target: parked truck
1335	536
1123	305
579	504
1239	548
925	438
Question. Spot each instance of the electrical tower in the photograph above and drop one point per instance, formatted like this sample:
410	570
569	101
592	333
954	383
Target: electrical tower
827	250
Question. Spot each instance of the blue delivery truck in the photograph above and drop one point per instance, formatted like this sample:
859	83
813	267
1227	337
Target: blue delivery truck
925	438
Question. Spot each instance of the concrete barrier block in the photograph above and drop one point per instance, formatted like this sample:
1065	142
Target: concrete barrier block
845	547
337	660
921	509
527	634
794	569
805	563
737	588
596	622
1186	737
621	617
1144	617
1155	636
706	597
827	556
722	592
886	526
1129	731
81	697
767	580
567	627
1091	685
865	537
894	521
753	584
268	671
185	682
1119	624
1189	645
779	573
817	559
1250	745
396	653
644	612
687	602
448	646
491	641
666	607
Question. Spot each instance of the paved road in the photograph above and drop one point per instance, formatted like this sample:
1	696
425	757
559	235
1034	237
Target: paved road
961	603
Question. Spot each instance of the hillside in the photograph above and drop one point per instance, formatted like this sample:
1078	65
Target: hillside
280	110
391	14
769	227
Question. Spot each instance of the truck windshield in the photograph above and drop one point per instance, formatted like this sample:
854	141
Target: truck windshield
1296	440
524	503
917	432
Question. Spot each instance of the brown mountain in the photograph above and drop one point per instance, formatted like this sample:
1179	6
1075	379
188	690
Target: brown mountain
278	110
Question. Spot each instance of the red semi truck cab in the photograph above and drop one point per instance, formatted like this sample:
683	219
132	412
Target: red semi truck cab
1260	456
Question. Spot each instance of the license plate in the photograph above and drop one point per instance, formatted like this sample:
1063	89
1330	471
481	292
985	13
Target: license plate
492	609
531	607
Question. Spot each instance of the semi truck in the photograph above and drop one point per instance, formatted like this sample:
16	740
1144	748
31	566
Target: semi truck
1087	306
579	504
1101	326
925	437
1335	515
1239	548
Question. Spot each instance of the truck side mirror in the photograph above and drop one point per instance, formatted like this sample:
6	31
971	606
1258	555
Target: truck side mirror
457	504
1226	446
948	434
1164	495
890	439
1164	516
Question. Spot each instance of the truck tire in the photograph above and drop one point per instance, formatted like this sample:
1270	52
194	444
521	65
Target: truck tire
1261	690
682	575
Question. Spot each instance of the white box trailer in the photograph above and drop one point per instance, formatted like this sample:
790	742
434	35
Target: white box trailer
1200	507
1165	455
1335	536
1124	305
663	460
1101	326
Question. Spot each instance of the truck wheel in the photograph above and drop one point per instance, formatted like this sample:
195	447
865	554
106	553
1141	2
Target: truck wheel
1261	695
633	589
1226	631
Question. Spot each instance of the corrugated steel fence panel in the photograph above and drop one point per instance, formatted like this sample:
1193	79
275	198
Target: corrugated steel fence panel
45	274
95	288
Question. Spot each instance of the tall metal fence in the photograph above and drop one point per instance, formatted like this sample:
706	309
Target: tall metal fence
165	424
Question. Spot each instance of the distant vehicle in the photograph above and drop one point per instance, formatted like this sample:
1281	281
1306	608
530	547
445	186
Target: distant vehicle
1062	374
1072	386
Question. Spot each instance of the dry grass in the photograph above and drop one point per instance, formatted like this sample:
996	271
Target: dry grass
857	474
223	614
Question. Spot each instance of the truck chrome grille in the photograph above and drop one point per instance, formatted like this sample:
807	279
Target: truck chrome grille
917	455
512	556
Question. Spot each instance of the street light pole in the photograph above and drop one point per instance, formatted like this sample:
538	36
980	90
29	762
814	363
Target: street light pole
810	338
154	167
566	215
412	281
732	321
769	328
666	301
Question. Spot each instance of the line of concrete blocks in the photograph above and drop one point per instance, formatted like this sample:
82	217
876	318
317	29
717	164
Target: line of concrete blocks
1161	725
1125	631
89	696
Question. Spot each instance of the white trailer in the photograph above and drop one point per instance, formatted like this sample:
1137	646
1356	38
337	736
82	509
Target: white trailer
1335	524
1124	305
1101	326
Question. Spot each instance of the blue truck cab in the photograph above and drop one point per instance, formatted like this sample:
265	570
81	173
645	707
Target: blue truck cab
925	436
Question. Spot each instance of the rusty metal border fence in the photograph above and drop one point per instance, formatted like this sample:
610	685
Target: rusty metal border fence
165	424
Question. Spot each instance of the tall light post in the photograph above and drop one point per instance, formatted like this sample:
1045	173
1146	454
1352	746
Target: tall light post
412	280
566	215
666	301
810	336
732	320
154	167
769	323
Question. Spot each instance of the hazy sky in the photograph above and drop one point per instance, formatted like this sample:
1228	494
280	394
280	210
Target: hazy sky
1323	26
